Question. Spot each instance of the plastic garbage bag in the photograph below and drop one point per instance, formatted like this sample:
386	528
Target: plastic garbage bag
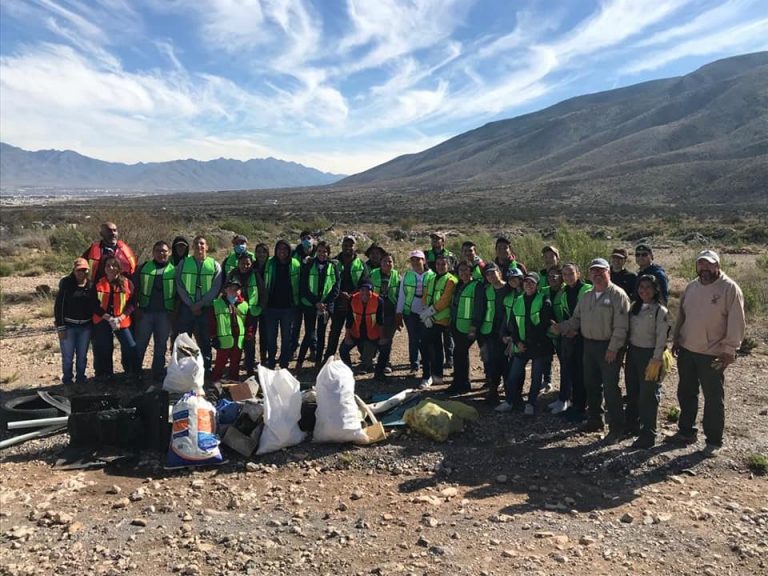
193	436
337	418
186	371
282	410
439	419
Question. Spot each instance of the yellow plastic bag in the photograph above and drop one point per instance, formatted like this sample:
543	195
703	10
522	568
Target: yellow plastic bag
438	419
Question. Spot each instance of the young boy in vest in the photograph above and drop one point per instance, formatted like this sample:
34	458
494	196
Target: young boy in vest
363	331
228	321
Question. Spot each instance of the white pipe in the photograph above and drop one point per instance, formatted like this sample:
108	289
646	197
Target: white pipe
30	435
38	423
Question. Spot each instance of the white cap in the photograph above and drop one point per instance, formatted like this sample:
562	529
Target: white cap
708	255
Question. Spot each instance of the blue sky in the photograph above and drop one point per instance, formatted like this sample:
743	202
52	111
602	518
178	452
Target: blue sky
340	85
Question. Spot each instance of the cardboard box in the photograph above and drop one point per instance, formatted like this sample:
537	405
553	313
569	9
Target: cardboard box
244	390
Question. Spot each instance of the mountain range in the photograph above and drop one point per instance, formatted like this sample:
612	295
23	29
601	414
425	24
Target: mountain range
702	137
68	170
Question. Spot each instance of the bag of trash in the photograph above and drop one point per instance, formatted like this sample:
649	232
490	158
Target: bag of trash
193	435
186	371
337	418
437	420
282	410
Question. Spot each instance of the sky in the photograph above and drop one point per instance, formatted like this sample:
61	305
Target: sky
338	85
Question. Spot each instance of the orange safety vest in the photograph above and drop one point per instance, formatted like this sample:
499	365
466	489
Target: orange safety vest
123	253
371	328
104	292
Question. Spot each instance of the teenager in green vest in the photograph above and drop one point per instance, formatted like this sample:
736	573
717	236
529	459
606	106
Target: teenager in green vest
572	398
438	249
528	329
228	320
495	362
239	247
506	257
410	303
351	271
198	282
386	282
467	314
155	285
318	289
437	316
281	281
252	290
470	256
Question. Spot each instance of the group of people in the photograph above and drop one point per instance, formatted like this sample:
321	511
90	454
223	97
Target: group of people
446	303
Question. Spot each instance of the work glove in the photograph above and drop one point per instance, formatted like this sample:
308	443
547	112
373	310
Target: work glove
427	313
428	322
653	370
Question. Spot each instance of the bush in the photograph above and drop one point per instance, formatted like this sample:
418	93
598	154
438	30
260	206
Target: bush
68	241
5	269
672	414
758	464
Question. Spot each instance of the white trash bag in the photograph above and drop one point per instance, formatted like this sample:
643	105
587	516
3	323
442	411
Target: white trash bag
337	418
193	436
282	410
186	371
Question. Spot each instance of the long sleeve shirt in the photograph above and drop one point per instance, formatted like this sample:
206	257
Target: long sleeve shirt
711	319
74	304
204	299
418	300
537	342
649	328
601	316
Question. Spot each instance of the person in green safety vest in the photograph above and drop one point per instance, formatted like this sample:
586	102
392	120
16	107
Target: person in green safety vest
551	257
239	247
470	256
467	314
318	290
495	362
438	248
303	252
437	315
386	282
410	303
261	251
506	257
528	333
551	286
352	271
228	319
198	282
252	290
281	281
155	285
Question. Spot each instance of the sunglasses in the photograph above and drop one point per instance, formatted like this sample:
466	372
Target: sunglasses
643	254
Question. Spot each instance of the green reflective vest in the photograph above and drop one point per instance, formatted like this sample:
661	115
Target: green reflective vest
490	310
294	270
560	304
431	256
435	291
393	284
193	277
314	280
224	323
230	262
147	276
477	272
509	301
518	309
251	293
356	269
409	287
465	308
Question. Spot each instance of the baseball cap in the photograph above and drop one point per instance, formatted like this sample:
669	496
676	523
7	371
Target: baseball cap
233	282
552	249
366	284
416	254
620	252
440	235
490	267
240	239
532	276
643	248
599	263
708	255
81	264
513	272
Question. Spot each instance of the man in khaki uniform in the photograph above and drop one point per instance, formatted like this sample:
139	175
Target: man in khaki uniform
708	331
602	317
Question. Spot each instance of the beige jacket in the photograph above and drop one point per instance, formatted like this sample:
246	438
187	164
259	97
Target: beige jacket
711	319
649	328
604	318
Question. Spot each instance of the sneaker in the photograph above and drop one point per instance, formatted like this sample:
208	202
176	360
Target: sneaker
503	408
559	406
711	450
546	388
449	364
681	439
388	370
437	380
643	442
529	410
425	383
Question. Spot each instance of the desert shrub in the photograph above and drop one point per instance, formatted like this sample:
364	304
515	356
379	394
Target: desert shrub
758	464
672	414
752	282
68	241
45	305
5	269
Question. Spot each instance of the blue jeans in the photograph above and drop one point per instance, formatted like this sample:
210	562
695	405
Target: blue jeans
158	326
198	327
516	379
75	346
417	344
103	345
279	319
